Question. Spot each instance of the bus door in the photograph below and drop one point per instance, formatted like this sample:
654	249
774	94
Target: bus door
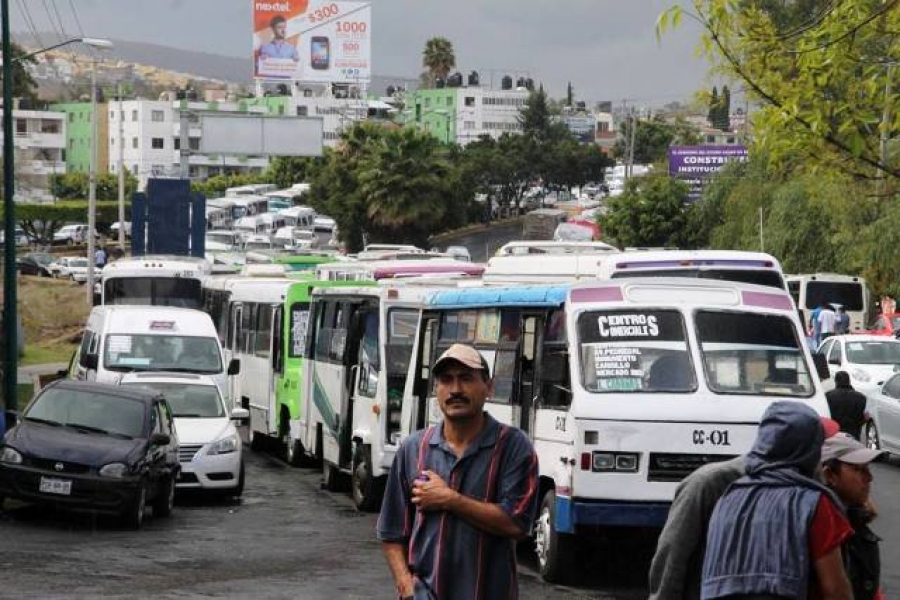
525	394
366	367
553	383
232	342
360	347
414	411
276	362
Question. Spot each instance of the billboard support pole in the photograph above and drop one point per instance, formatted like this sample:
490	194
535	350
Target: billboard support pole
184	140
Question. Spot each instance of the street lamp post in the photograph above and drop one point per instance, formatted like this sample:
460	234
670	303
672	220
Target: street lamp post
10	348
92	187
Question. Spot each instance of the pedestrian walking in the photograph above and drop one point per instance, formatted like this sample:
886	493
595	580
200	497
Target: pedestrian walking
459	494
847	406
845	470
100	258
827	322
843	321
676	569
777	531
815	330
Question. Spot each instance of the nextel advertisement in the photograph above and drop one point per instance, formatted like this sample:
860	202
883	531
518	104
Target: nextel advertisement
696	164
315	41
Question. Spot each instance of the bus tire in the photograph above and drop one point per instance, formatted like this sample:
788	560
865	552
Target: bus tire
555	551
366	489
334	480
257	440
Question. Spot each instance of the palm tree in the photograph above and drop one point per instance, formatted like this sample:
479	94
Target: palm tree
438	57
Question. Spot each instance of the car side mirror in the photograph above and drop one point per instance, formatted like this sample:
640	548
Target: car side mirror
821	365
834	361
240	414
89	361
234	367
160	439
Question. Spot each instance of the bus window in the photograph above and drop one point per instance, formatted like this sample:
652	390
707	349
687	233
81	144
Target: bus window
748	353
338	334
245	339
325	312
847	294
401	334
555	384
278	341
503	375
368	360
635	351
263	330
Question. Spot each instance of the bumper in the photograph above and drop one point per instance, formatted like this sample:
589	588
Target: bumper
572	514
204	472
87	492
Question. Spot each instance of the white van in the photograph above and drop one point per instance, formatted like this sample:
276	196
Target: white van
125	339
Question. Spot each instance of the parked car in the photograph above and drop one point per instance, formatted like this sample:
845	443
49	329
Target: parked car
868	359
93	447
210	446
888	324
114	230
21	237
60	264
882	429
76	269
35	263
72	234
459	253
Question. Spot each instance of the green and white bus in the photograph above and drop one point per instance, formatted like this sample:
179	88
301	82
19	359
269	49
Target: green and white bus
266	332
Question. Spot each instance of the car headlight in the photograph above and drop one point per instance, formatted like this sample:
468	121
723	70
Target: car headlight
10	456
224	445
860	375
114	470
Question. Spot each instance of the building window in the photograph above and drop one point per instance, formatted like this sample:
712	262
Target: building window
134	116
157	143
134	143
470	101
730	140
48	126
468	124
710	139
157	116
194	143
176	142
302	111
134	169
71	117
112	141
21	127
449	101
427	102
112	115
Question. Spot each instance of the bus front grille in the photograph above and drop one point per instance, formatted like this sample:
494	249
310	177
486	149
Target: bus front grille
675	467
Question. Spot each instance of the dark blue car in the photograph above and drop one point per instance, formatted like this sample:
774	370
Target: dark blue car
93	447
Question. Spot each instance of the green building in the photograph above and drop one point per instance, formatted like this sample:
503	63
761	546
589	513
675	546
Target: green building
78	136
433	111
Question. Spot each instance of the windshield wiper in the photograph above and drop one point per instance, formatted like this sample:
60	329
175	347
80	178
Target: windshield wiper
88	428
174	369
44	421
189	415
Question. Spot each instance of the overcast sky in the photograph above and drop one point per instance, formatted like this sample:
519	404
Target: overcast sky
606	48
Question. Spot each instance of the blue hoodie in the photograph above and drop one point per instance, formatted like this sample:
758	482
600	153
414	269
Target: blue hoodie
758	541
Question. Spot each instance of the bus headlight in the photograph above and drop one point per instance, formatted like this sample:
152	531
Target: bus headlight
620	462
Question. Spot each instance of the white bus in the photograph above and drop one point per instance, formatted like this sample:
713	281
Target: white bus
302	217
376	270
850	292
254	189
624	386
729	265
360	343
155	280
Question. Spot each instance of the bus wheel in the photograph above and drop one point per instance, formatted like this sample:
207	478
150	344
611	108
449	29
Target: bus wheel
256	439
334	479
293	451
555	551
367	490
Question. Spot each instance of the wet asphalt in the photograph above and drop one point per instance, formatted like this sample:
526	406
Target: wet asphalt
286	538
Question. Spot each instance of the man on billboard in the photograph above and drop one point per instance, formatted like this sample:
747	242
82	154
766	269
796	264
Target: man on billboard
278	47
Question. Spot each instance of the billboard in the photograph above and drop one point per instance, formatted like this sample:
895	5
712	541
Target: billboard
318	41
583	127
258	135
696	164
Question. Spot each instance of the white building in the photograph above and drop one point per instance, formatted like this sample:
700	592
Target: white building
40	147
463	114
151	140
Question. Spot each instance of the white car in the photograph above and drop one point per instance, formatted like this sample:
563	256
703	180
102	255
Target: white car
73	268
459	253
870	360
72	234
209	443
882	428
114	229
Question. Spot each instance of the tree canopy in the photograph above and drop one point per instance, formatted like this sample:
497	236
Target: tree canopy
438	58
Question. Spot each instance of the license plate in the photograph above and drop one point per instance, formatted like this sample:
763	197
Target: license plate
50	485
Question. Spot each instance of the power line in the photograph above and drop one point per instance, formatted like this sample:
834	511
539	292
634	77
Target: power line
26	14
59	19
53	25
77	20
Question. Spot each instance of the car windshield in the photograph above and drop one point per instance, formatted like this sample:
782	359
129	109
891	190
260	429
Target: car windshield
153	291
188	400
89	411
138	352
635	351
885	352
759	277
42	259
750	353
78	262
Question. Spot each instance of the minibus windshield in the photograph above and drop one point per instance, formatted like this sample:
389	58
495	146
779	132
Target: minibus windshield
139	352
750	353
635	350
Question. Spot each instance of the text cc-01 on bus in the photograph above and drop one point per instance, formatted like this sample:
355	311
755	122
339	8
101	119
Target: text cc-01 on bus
625	387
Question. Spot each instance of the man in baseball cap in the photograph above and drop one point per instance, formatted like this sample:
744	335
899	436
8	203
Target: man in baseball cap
845	469
466	356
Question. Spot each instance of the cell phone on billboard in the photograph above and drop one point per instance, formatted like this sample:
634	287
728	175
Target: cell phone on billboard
319	53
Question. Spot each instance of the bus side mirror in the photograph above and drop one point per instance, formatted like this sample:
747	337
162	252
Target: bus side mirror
89	361
234	367
821	364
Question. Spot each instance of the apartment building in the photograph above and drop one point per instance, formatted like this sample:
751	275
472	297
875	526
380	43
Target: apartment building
78	136
40	152
463	114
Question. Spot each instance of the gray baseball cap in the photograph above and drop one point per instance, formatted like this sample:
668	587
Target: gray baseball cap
845	448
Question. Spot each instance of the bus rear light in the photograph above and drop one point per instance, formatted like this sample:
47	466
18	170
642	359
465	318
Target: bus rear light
585	461
627	462
591	438
620	462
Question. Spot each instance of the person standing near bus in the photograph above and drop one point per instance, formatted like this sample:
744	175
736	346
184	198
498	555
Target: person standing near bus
815	330
827	322
843	321
459	494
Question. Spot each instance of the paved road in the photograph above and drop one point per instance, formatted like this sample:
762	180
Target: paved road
286	539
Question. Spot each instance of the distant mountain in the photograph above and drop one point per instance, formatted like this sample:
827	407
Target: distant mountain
201	64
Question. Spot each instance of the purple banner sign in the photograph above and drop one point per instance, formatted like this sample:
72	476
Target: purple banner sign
695	165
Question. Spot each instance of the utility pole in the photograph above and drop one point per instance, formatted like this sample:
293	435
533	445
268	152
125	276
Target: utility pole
629	167
92	187
120	169
184	139
10	322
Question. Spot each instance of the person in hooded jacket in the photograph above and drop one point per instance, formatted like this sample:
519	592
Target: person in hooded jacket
777	531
